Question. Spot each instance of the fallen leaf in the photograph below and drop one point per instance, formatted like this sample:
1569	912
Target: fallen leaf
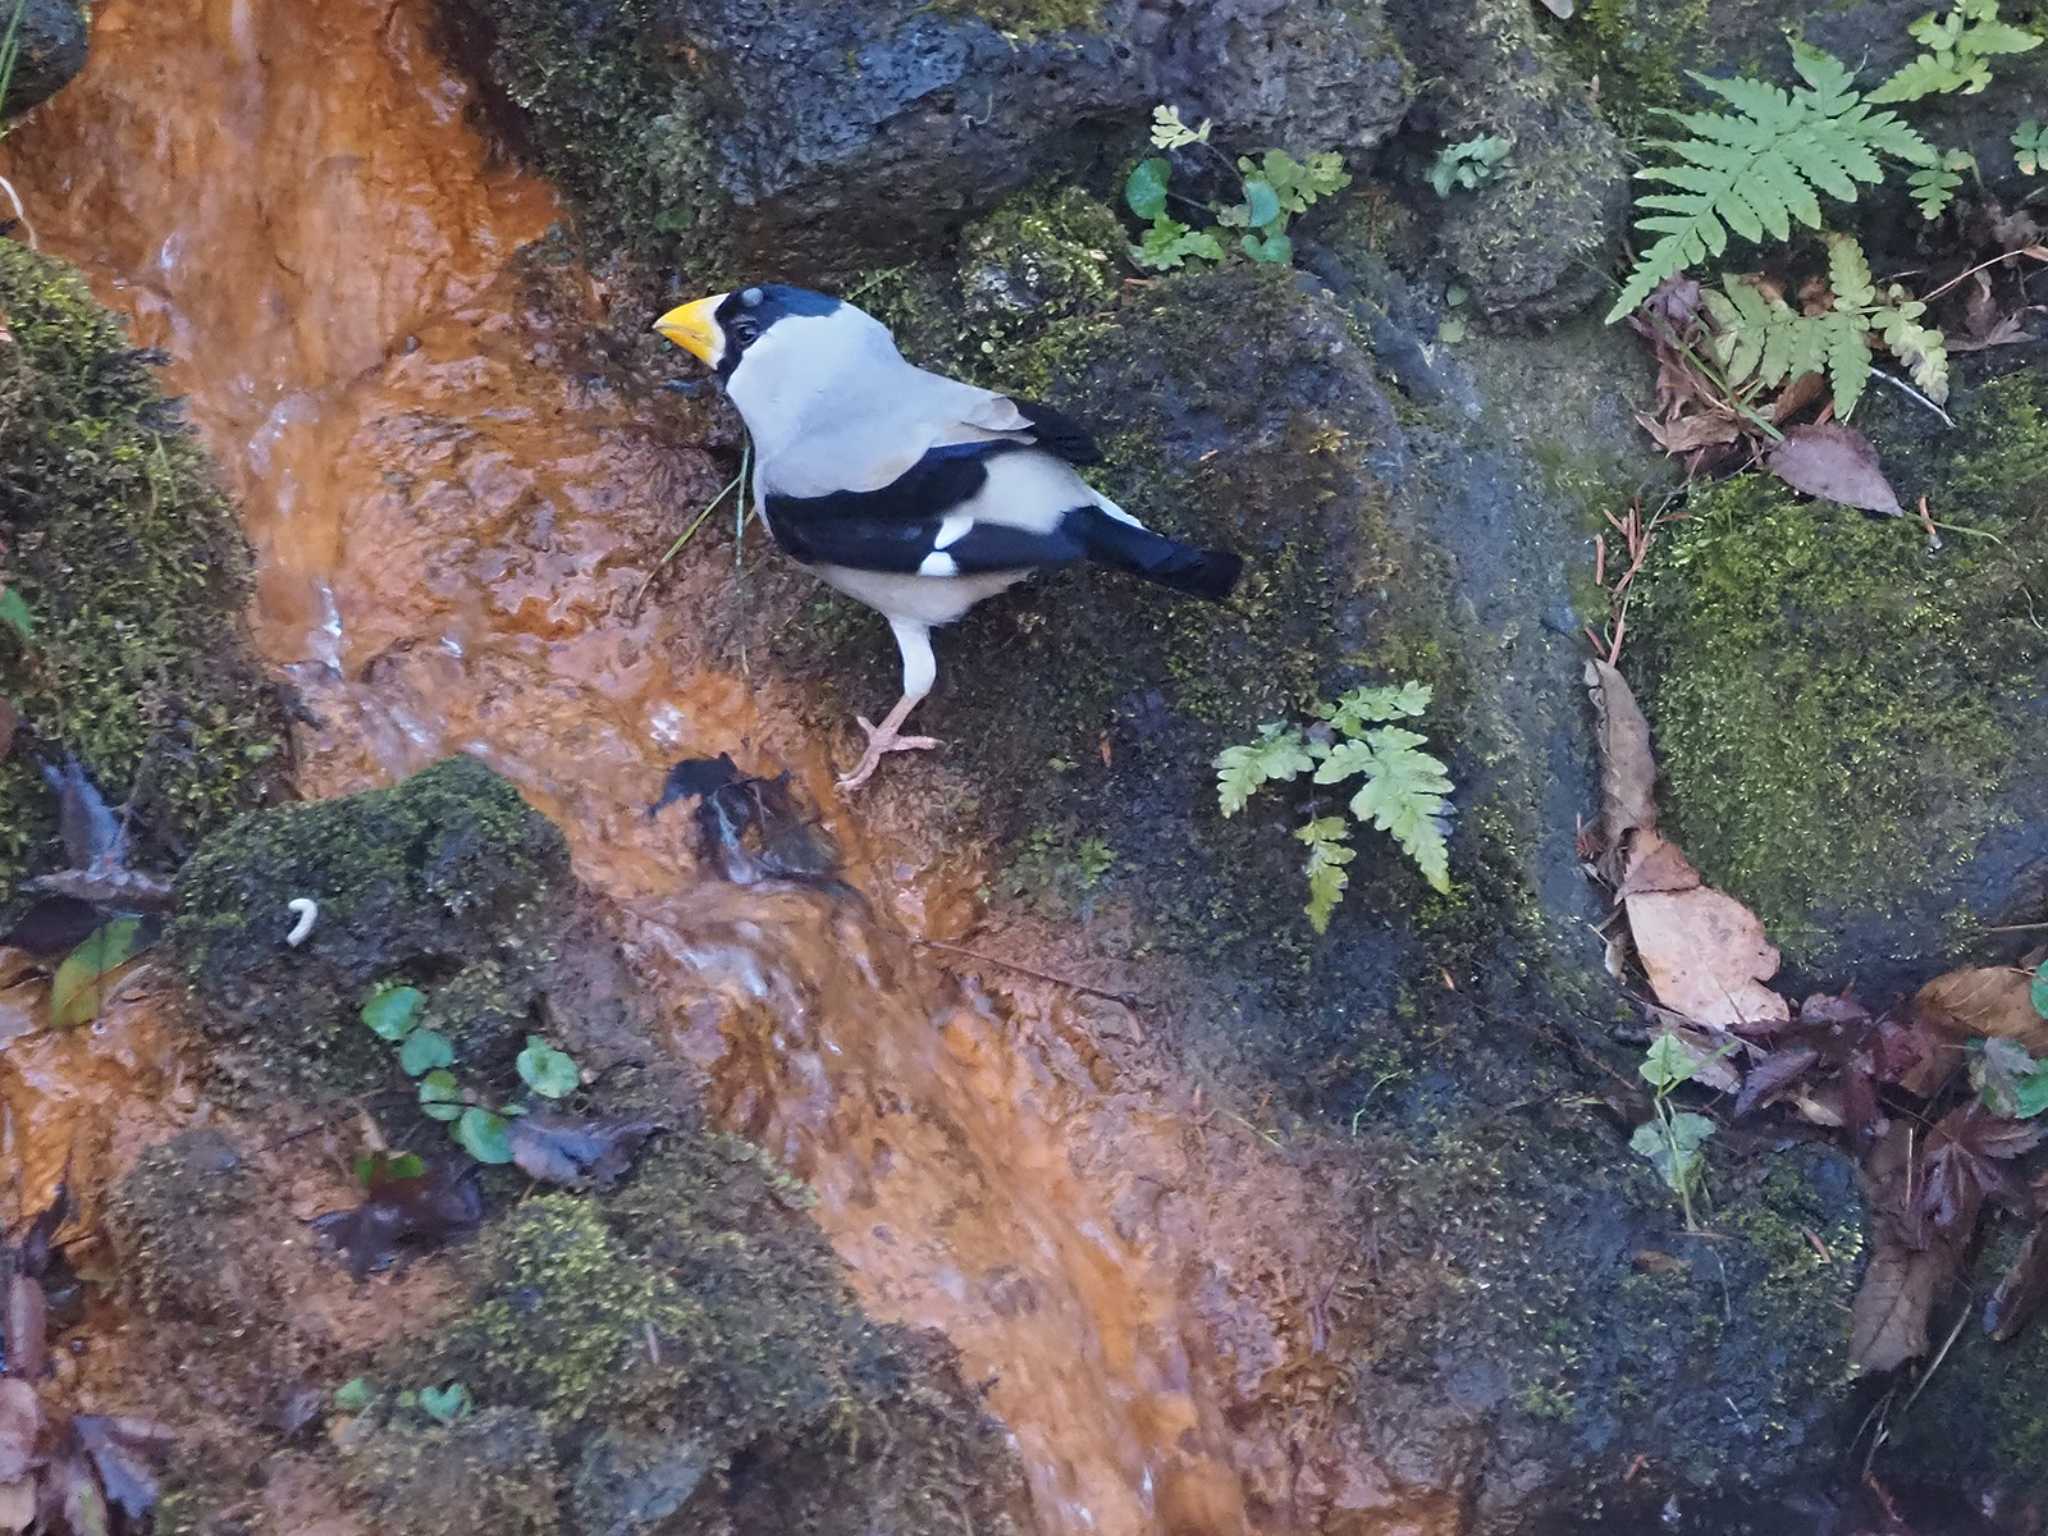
1689	434
1705	953
1967	1162
117	1447
21	1423
1628	770
1772	1076
563	1149
2021	1289
17	1505
1888	1322
28	1327
1656	864
416	1213
1982	1001
1837	463
1796	396
79	989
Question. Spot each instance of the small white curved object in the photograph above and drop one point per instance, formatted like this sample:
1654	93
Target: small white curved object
308	911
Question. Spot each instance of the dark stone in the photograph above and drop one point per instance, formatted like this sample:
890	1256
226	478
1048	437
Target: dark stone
52	41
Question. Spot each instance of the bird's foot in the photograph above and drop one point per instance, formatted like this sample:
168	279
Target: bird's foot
882	738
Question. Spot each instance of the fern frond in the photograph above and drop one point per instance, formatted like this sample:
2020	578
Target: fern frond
1374	706
1958	45
1329	850
1934	188
1756	171
1405	794
1276	757
1922	350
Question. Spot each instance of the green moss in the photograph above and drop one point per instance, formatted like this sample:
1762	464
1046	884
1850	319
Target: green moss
618	129
493	1471
1029	18
1835	711
133	566
1632	47
167	1219
445	877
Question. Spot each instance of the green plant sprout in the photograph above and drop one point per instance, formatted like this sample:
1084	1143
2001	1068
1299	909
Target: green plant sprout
392	1013
1469	164
1275	188
1958	49
2030	147
1674	1141
1406	791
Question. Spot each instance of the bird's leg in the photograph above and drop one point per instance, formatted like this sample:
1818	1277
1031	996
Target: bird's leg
919	670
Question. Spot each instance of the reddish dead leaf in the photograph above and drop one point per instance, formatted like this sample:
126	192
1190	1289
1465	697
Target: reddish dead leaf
21	1424
1967	1162
1888	1323
28	1326
400	1214
564	1149
1796	396
1628	771
1981	1001
1771	1076
1837	463
2021	1290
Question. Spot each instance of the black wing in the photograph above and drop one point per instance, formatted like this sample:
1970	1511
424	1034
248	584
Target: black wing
896	527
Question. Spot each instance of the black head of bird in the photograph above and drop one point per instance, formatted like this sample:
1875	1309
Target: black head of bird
912	492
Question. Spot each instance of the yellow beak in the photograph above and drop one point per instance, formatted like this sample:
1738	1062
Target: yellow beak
694	328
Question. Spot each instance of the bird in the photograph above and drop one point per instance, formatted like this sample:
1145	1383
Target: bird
916	494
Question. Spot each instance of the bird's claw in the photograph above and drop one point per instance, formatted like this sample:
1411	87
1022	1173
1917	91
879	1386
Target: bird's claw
880	741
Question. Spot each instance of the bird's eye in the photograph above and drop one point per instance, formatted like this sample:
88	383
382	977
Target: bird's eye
744	331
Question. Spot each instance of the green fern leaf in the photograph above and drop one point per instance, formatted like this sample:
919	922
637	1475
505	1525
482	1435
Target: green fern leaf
1276	757
1756	171
1373	706
1405	794
1934	188
1958	45
1922	350
1921	77
1329	850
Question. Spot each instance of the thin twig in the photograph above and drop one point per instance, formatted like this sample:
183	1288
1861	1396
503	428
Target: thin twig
689	533
2027	251
1904	388
1024	970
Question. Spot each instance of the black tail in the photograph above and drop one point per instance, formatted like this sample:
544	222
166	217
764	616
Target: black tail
1209	573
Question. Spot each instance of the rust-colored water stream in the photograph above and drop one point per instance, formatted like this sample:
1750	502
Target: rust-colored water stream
287	196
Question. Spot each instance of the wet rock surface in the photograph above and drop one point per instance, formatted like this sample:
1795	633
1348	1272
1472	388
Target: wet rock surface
51	39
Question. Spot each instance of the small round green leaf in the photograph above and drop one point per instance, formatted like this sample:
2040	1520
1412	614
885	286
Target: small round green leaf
1145	192
2040	990
353	1396
392	1013
484	1136
1262	201
547	1071
446	1404
440	1096
424	1051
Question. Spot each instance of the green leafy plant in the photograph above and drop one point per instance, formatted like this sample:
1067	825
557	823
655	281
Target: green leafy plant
446	1403
79	990
2030	147
547	1071
1674	1141
1759	338
1757	170
1404	791
1275	187
1469	164
1958	48
354	1395
1934	186
15	615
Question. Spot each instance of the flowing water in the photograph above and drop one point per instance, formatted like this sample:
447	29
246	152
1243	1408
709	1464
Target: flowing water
451	519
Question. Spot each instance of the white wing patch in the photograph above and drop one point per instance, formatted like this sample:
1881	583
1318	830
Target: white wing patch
952	529
938	564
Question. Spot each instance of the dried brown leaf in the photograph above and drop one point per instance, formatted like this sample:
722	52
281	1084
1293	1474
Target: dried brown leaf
1796	396
400	1214
1689	434
2021	1290
1773	1075
1706	955
1655	863
1837	463
1628	771
1982	1001
21	1424
28	1327
1888	1323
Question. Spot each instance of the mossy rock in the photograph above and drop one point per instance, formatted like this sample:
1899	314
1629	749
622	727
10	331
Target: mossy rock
134	572
1847	724
448	877
692	1346
170	1221
491	1471
51	39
